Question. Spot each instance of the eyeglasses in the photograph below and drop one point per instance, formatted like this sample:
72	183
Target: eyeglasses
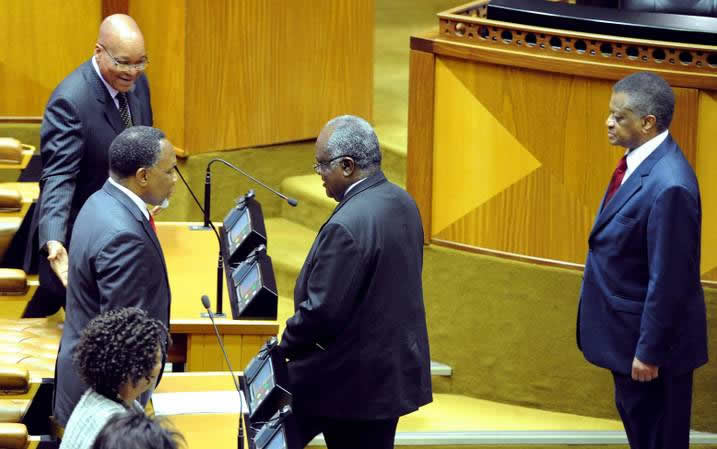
320	166
124	67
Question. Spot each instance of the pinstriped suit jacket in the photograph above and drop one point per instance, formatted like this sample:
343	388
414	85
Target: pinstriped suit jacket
79	124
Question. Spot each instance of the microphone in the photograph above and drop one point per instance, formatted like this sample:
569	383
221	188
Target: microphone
240	437
208	188
220	261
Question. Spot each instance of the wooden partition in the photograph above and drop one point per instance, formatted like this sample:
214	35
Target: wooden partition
507	145
223	74
244	73
40	43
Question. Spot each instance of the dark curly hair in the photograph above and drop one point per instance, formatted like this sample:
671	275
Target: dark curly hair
135	430
119	346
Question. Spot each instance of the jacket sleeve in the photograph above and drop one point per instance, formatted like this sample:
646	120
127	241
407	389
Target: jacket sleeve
333	278
62	151
122	275
673	253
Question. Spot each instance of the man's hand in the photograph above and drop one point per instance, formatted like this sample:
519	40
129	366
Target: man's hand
642	372
57	256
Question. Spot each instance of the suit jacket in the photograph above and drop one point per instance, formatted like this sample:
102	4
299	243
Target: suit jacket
115	261
79	124
641	294
359	296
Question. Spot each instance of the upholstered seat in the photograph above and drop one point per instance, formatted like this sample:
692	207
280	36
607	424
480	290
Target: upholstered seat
14	379
10	150
690	7
13	436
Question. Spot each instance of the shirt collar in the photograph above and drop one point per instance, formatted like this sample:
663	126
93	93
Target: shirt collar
133	196
636	156
354	185
113	92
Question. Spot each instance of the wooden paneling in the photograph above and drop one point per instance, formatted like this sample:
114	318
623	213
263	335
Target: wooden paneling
110	7
521	160
164	29
707	177
268	71
420	134
40	43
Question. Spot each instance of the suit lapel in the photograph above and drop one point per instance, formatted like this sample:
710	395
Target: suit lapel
371	181
630	187
138	215
134	108
110	111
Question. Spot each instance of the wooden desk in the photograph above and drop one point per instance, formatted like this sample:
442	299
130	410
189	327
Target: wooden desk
191	257
218	431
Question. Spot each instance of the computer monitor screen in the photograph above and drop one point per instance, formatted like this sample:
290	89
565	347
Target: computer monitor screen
261	385
239	230
249	285
278	441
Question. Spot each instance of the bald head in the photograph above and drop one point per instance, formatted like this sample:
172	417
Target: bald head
120	52
119	27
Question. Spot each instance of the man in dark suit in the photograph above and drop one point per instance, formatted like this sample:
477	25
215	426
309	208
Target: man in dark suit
115	258
357	343
86	111
642	309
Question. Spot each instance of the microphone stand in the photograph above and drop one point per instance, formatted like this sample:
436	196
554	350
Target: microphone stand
240	436
208	222
220	263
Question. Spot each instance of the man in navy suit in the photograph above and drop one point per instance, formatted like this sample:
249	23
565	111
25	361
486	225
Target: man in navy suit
98	100
115	258
357	343
642	309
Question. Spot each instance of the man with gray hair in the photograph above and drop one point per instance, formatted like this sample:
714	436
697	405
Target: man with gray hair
116	259
357	344
642	310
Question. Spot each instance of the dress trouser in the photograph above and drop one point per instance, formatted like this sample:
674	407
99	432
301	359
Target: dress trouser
656	414
348	434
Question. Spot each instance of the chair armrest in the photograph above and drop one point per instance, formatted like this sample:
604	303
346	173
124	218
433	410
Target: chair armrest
10	150
14	379
12	281
13	436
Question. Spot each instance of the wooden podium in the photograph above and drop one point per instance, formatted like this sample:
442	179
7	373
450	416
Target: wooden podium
233	74
507	145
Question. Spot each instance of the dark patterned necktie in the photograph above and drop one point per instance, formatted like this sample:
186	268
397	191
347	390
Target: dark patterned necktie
124	109
151	223
617	177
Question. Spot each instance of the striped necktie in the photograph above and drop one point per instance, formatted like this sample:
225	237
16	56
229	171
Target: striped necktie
124	109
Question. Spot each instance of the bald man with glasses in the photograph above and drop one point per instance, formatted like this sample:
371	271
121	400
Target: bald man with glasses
88	109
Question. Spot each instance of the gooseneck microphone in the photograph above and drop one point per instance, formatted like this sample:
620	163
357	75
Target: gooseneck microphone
208	188
220	261
240	437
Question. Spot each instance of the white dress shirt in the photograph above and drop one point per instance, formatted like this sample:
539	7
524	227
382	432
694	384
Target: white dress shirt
133	196
635	157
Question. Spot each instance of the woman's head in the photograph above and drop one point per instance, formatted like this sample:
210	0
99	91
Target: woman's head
134	430
120	353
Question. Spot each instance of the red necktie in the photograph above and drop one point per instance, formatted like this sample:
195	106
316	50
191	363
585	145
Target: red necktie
151	223
616	181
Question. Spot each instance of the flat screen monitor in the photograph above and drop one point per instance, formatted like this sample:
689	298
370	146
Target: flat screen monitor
239	231
261	385
249	286
278	441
